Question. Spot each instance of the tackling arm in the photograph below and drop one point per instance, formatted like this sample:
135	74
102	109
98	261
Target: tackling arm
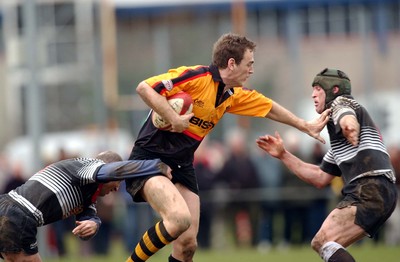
129	169
307	172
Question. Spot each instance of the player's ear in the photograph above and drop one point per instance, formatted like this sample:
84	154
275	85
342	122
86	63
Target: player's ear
335	89
231	63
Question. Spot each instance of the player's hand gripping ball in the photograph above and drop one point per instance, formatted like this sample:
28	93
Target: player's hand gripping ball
181	102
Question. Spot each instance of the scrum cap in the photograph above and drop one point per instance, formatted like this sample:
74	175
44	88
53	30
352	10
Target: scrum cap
328	79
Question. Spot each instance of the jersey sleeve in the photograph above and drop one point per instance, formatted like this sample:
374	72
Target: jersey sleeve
129	169
176	80
341	107
250	103
328	164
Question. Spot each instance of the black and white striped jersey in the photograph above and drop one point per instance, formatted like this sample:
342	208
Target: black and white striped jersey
60	190
369	158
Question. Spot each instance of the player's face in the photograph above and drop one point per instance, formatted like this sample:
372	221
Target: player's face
318	95
241	72
109	187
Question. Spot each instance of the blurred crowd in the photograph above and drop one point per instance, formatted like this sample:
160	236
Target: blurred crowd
265	205
248	199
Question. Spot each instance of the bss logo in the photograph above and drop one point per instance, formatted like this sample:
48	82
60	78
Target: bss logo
201	123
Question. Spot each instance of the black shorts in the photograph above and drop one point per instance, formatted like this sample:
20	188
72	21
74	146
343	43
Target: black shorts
18	228
183	174
375	198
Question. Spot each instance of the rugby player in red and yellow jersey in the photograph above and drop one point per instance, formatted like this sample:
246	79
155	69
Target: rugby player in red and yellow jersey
216	90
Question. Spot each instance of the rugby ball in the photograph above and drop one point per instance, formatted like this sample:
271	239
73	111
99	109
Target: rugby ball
181	102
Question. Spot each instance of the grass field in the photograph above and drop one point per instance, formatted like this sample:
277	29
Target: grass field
365	252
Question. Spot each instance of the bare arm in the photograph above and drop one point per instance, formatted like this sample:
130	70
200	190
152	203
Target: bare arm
159	104
312	128
307	172
350	128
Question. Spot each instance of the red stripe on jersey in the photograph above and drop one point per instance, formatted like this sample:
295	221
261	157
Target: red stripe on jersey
96	194
194	136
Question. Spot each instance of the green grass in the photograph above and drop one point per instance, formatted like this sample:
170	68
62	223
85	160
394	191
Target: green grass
364	252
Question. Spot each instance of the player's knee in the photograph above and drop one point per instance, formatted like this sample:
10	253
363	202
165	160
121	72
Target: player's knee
188	246
316	243
189	251
178	222
184	223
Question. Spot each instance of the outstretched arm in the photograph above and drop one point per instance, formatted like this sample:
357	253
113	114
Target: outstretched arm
307	172
130	169
312	128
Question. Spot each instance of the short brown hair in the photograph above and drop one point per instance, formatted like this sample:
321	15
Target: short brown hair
230	46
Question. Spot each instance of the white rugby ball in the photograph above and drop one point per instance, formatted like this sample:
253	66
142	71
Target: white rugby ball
181	102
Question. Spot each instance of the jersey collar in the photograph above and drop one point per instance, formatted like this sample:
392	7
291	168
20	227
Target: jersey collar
215	74
96	194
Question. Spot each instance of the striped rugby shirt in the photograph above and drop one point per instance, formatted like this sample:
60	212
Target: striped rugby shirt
70	187
60	190
369	158
205	86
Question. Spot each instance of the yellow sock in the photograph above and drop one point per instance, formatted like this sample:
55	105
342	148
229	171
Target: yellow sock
152	240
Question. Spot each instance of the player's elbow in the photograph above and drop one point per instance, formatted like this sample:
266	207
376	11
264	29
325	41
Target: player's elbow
319	185
141	88
322	181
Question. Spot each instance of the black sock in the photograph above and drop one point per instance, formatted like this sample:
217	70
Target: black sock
172	259
341	255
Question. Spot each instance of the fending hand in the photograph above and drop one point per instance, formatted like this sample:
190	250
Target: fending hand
314	127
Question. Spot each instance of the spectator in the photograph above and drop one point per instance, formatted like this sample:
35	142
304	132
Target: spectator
268	169
205	180
318	208
294	210
15	178
101	242
240	173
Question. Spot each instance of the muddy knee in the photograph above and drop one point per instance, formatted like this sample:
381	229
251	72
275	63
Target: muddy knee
187	246
178	223
316	243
